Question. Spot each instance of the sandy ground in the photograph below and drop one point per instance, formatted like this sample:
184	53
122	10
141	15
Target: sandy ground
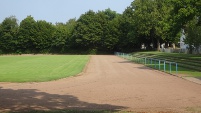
109	83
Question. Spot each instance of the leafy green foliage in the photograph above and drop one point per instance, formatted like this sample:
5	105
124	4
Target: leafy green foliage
88	32
109	20
26	35
148	22
97	30
62	36
194	35
186	16
150	19
183	12
59	38
8	30
43	39
128	37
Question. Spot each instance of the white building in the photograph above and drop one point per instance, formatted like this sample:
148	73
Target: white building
182	43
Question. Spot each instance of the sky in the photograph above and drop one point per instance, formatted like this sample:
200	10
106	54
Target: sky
57	10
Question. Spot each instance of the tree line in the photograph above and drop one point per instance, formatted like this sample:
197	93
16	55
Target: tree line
147	22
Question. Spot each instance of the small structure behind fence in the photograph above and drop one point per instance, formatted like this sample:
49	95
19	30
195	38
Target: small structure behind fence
162	65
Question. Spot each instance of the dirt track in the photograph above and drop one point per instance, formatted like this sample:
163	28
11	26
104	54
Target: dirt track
110	83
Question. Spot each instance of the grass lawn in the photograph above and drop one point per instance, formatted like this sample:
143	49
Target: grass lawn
39	68
180	58
181	55
181	70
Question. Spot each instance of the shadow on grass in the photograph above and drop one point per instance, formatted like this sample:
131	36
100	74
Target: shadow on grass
31	100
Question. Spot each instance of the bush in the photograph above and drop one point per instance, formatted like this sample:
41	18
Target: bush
92	51
1	52
18	52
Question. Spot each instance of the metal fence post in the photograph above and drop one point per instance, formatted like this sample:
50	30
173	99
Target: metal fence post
159	62
145	61
170	67
164	66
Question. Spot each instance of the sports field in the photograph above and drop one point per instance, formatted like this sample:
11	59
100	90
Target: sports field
109	83
39	68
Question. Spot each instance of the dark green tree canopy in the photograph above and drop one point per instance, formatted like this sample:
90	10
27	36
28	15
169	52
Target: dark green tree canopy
26	34
184	11
144	22
8	30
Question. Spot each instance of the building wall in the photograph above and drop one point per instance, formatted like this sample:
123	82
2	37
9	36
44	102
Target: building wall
182	43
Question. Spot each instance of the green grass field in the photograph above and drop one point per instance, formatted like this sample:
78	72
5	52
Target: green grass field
182	59
40	68
188	64
180	70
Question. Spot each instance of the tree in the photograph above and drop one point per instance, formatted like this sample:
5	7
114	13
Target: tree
111	35
8	30
184	14
184	11
128	38
110	15
151	19
97	30
88	32
70	26
193	37
43	39
27	34
109	26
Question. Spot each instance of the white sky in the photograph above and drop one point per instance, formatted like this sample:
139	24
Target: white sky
57	10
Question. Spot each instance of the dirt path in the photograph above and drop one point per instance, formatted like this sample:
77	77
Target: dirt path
109	82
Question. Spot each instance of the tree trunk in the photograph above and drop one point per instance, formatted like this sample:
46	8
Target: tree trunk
166	44
190	49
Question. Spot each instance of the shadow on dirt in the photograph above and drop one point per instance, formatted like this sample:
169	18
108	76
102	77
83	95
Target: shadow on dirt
31	99
125	62
141	66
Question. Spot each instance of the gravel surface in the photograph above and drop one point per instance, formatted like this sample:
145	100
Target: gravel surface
107	83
